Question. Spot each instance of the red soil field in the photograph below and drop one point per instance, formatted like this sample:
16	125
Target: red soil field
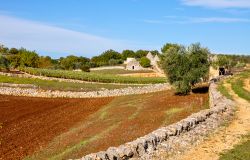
28	124
40	128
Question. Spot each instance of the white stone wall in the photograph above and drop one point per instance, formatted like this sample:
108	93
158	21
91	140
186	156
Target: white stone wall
36	92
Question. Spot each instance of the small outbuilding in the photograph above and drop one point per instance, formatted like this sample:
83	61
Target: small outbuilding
153	59
133	64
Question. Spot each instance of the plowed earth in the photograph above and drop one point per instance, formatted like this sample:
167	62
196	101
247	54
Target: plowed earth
28	124
38	128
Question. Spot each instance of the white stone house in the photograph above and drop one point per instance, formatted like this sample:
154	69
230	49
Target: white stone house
133	64
153	59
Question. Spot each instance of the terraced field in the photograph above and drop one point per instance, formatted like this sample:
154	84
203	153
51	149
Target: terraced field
61	86
94	77
40	128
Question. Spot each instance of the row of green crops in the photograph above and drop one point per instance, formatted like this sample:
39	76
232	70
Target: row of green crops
93	77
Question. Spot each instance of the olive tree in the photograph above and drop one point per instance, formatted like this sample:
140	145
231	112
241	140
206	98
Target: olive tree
185	67
4	63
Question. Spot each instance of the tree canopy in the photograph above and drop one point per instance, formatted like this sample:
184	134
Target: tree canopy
145	62
4	63
141	53
45	62
128	54
185	67
105	57
28	58
167	46
225	61
73	62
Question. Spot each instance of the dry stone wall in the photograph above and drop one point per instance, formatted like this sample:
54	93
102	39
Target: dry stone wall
36	92
199	123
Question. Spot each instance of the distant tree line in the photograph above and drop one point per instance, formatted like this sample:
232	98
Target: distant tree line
111	57
14	58
184	66
230	61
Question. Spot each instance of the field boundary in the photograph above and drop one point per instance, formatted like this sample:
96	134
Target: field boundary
221	109
36	92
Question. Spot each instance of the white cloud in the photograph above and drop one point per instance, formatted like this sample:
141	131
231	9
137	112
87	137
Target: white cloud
218	3
190	20
216	20
32	35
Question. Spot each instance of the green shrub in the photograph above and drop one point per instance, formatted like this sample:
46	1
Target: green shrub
4	63
145	62
85	68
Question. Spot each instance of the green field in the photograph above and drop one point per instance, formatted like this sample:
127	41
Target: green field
120	71
223	90
56	85
238	85
94	77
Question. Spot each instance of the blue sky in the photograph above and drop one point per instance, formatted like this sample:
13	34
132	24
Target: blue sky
88	27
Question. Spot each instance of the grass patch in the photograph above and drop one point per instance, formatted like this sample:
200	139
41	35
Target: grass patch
81	144
224	91
245	74
173	111
94	77
239	152
238	88
170	113
74	148
56	85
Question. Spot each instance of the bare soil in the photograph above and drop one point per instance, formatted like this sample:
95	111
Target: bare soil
28	124
39	128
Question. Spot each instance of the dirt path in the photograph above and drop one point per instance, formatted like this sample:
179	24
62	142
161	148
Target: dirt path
226	137
247	84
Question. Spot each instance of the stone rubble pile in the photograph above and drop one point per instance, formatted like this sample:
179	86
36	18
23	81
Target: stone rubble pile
170	138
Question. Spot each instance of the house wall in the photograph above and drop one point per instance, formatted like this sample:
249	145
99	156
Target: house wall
134	66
